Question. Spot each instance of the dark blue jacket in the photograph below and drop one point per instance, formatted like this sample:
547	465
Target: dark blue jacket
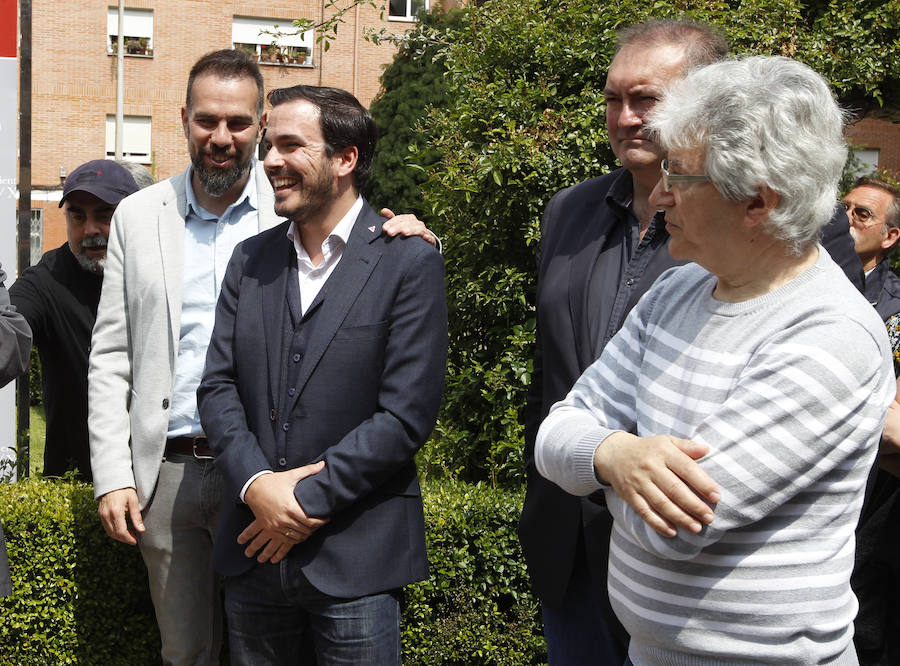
883	289
366	398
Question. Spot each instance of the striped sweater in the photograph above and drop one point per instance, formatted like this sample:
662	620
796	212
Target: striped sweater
790	391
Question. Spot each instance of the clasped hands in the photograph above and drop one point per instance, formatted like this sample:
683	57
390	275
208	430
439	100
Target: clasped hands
660	479
279	521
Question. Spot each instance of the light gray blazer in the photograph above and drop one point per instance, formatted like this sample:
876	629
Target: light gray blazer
135	340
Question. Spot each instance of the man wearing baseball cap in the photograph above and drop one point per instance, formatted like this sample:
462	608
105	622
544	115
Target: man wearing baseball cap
59	298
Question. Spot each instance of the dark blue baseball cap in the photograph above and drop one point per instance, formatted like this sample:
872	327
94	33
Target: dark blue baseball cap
105	179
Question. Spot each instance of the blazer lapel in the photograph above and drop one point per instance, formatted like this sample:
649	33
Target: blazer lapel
273	301
340	292
591	241
170	230
265	200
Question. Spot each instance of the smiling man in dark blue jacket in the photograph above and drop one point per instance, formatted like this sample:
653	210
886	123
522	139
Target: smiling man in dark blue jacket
323	378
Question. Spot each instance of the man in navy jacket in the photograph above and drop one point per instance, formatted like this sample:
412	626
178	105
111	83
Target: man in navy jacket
323	378
873	206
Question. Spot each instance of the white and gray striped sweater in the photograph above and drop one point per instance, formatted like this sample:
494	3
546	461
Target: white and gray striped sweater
790	392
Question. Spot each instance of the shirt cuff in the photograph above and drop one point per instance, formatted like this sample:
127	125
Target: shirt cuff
251	480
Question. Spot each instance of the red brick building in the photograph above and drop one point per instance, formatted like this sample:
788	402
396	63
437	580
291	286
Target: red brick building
876	140
74	79
74	76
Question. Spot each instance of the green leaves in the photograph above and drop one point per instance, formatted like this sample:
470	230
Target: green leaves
81	598
413	83
522	116
78	596
477	607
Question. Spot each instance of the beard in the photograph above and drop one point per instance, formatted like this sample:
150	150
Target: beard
317	194
94	266
217	181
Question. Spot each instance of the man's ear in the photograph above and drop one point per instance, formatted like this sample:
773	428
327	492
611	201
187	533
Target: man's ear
890	238
345	161
262	127
760	206
185	117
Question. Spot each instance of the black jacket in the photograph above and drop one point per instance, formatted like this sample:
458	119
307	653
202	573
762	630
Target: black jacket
361	392
59	300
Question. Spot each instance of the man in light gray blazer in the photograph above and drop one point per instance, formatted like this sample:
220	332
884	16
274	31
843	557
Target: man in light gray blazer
168	248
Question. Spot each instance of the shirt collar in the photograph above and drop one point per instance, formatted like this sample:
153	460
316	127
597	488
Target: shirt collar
874	280
341	231
621	194
248	194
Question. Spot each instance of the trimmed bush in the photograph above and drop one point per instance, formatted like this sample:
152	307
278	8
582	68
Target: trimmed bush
81	598
477	607
78	596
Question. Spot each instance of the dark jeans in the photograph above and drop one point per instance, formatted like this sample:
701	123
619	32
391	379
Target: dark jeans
276	616
579	631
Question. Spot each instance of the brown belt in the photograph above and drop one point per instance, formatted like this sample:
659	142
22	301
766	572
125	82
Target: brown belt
190	446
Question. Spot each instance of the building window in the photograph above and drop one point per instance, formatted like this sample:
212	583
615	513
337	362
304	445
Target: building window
255	36
138	31
135	139
406	10
37	234
864	161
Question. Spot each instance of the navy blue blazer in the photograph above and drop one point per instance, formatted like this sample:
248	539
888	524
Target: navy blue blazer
367	396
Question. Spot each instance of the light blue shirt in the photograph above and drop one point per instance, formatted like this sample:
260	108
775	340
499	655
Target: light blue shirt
208	244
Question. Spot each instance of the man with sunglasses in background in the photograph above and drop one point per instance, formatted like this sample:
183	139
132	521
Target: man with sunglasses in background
873	207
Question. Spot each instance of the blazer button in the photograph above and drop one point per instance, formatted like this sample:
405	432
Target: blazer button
285	426
165	403
296	358
292	391
282	462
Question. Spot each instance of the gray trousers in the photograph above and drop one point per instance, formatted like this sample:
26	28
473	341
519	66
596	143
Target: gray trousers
177	550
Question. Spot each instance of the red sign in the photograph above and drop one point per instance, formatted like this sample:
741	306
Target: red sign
8	28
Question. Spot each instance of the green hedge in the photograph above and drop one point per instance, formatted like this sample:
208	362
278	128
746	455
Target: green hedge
477	607
81	598
78	596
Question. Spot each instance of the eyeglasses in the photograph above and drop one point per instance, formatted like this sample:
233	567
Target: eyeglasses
862	216
669	178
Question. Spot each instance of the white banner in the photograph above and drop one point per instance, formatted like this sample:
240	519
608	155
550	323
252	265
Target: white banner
9	105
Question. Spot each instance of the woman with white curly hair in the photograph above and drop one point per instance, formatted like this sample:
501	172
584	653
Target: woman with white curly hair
733	420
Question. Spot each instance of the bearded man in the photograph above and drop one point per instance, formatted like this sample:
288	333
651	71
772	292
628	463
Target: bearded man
323	378
58	298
